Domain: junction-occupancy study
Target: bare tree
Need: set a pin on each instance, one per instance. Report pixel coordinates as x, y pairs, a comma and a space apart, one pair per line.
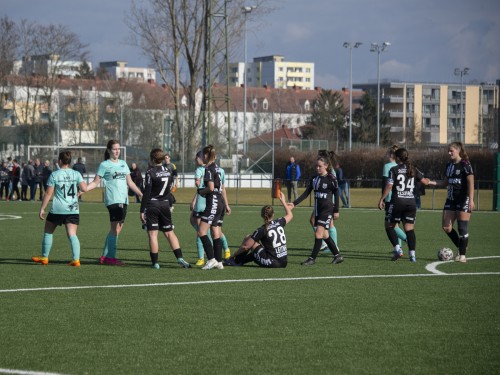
172, 34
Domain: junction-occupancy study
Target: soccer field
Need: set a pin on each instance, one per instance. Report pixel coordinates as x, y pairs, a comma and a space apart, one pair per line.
367, 315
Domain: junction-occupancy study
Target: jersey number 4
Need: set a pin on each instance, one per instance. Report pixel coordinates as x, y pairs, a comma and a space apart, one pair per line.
405, 185
71, 190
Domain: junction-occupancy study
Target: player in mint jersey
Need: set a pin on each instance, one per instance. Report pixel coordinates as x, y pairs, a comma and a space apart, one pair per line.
402, 207
63, 184
116, 176
198, 206
385, 176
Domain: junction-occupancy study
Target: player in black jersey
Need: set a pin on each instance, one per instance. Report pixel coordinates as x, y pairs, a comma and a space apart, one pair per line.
326, 204
267, 245
155, 208
402, 206
212, 217
460, 199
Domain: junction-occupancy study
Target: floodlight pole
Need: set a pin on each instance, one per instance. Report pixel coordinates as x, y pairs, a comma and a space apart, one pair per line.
246, 11
350, 46
375, 47
462, 73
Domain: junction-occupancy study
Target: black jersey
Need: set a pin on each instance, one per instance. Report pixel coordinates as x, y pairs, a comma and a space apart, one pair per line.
456, 174
158, 183
212, 174
325, 189
273, 239
403, 186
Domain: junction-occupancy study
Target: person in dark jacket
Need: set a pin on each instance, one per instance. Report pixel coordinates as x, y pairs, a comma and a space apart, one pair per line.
292, 177
136, 176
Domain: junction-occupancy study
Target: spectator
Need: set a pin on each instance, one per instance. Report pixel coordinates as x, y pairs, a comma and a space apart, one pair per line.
47, 171
80, 167
136, 176
14, 180
24, 182
4, 180
38, 179
292, 176
343, 186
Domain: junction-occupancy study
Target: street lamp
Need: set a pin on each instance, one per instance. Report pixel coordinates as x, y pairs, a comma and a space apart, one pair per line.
375, 47
461, 72
246, 10
350, 46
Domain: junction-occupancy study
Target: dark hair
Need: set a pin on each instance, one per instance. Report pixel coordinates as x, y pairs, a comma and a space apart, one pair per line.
110, 144
326, 160
402, 155
267, 213
330, 156
65, 157
199, 155
461, 150
156, 155
209, 151
392, 151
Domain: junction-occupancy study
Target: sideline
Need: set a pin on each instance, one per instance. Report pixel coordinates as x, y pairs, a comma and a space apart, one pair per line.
207, 282
432, 267
25, 372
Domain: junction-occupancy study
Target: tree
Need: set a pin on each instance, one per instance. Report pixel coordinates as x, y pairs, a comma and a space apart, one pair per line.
329, 117
172, 35
365, 122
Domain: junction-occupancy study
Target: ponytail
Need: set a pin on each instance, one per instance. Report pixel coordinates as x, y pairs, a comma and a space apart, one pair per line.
209, 153
401, 154
267, 213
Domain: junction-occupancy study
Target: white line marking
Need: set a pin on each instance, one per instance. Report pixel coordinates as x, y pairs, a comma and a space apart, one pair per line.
24, 372
242, 281
432, 267
9, 217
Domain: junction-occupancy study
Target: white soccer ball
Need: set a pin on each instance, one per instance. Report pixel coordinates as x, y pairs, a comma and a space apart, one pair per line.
445, 254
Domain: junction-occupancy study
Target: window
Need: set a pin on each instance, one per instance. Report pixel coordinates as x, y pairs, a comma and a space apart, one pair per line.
265, 105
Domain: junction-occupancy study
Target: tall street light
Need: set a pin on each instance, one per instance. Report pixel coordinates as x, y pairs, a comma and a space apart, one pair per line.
350, 46
461, 72
246, 10
375, 47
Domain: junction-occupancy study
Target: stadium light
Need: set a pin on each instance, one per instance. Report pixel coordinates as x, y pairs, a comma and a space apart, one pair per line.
350, 46
375, 47
246, 10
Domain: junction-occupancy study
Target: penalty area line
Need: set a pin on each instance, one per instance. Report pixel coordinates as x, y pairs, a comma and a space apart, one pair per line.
207, 282
25, 372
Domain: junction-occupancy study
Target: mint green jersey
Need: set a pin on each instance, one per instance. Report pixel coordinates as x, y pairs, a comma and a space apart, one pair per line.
65, 182
114, 176
385, 173
201, 202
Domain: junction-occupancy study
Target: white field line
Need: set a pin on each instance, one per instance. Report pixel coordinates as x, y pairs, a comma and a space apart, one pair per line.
207, 282
25, 372
432, 267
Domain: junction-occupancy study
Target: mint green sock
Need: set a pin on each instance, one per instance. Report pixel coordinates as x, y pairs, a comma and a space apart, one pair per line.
333, 234
75, 247
105, 250
401, 235
111, 245
199, 247
46, 244
225, 246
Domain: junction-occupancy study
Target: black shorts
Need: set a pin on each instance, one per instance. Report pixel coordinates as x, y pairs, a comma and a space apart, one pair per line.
60, 219
406, 213
462, 205
264, 259
158, 216
214, 211
323, 219
197, 214
117, 212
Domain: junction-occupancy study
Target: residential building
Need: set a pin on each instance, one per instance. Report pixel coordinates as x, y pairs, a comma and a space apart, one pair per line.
120, 70
431, 113
273, 71
49, 65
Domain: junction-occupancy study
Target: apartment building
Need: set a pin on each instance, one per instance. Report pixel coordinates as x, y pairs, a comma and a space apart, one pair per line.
273, 71
438, 113
120, 70
49, 65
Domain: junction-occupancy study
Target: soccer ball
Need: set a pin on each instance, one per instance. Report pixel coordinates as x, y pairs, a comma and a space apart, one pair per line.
445, 254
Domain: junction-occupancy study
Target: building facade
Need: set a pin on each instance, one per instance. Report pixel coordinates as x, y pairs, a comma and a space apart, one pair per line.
438, 113
273, 71
120, 70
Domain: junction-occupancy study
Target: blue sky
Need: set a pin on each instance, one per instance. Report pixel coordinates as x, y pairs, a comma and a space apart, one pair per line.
429, 38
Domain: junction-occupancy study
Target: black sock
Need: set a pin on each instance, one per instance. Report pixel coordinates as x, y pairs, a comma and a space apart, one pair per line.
393, 237
316, 248
207, 246
462, 245
154, 257
178, 253
332, 246
218, 249
454, 237
411, 240
245, 257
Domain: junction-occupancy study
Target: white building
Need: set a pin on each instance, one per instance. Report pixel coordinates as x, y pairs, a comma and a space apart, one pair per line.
49, 65
119, 69
273, 71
